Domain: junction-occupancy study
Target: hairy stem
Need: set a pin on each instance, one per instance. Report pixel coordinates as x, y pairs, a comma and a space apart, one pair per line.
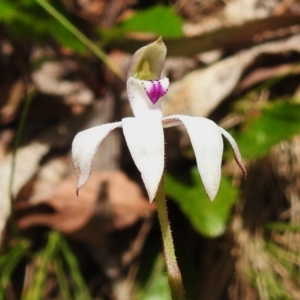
173, 272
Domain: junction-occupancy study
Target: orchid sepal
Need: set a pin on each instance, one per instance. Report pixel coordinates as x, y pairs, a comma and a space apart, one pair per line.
206, 139
84, 147
208, 147
145, 140
147, 62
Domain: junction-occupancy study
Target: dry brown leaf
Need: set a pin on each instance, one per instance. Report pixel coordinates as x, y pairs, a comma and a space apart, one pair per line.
28, 158
127, 200
213, 14
262, 74
70, 214
48, 178
6, 137
108, 201
14, 100
49, 79
231, 38
105, 13
26, 165
237, 11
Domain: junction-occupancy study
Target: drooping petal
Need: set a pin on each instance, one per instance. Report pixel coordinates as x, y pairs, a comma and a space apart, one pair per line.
84, 147
207, 142
148, 62
144, 95
145, 140
235, 150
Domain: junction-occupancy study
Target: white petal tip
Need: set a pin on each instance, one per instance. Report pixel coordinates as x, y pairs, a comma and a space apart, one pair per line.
151, 190
78, 187
235, 150
242, 167
238, 160
211, 198
145, 140
80, 184
212, 194
81, 173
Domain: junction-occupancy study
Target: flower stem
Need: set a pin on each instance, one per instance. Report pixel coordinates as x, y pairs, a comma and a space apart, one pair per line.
173, 272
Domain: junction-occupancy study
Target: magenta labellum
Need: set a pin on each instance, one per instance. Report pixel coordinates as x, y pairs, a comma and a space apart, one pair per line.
154, 90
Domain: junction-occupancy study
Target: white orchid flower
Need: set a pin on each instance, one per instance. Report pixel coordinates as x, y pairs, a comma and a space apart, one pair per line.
144, 132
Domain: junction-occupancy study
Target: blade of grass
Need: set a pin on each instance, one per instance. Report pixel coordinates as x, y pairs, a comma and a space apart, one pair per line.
18, 139
42, 262
9, 261
77, 33
21, 125
61, 279
80, 289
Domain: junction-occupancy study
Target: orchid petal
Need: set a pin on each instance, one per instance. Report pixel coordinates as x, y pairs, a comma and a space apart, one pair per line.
139, 92
84, 147
207, 142
145, 140
148, 62
235, 150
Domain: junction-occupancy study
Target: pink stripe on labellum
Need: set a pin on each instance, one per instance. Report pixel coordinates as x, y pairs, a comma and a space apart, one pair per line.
154, 90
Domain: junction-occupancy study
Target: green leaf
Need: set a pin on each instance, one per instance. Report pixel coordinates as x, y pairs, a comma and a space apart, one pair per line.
6, 10
282, 227
157, 287
277, 122
208, 218
63, 36
25, 19
42, 262
81, 290
160, 20
9, 261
